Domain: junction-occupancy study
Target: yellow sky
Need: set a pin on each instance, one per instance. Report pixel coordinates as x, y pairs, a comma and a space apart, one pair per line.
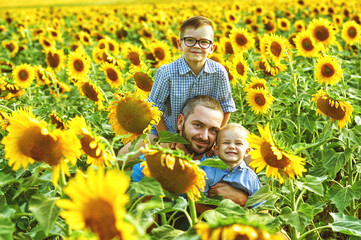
32, 3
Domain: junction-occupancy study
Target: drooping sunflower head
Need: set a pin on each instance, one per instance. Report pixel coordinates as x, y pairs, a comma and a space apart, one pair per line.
260, 100
269, 67
41, 77
78, 64
133, 54
96, 203
328, 70
12, 46
57, 121
54, 58
322, 31
256, 83
131, 115
337, 110
239, 69
174, 171
241, 39
91, 91
23, 75
142, 78
266, 154
351, 32
113, 74
4, 120
30, 141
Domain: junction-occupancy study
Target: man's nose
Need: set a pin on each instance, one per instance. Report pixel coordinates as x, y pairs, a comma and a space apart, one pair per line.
204, 134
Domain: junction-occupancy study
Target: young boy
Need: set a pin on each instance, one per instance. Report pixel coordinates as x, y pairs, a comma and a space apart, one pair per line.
232, 147
191, 75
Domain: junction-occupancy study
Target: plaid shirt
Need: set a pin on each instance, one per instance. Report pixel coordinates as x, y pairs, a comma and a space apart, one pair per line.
175, 83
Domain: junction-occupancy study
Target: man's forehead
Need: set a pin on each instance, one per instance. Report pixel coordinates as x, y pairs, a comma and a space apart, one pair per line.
207, 116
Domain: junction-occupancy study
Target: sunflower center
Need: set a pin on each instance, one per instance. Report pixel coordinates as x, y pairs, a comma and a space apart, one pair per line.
102, 46
143, 81
352, 32
174, 42
271, 159
327, 70
112, 74
23, 75
335, 113
241, 40
159, 53
269, 26
40, 75
321, 33
78, 65
53, 59
46, 43
111, 46
276, 49
86, 39
54, 34
134, 58
307, 44
10, 47
228, 48
283, 24
85, 141
133, 116
260, 99
240, 69
90, 92
99, 217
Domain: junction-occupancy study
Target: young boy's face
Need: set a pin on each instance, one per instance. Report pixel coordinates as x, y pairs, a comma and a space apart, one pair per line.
196, 54
232, 146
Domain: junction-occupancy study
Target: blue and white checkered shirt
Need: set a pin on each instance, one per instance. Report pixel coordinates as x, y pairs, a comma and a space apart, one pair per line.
175, 83
241, 177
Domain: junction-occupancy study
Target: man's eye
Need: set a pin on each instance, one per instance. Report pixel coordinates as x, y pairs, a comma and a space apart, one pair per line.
197, 125
213, 131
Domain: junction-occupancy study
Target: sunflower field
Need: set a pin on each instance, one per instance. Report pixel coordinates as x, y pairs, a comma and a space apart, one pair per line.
74, 83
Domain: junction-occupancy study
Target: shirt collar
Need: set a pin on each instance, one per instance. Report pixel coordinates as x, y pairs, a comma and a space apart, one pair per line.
184, 68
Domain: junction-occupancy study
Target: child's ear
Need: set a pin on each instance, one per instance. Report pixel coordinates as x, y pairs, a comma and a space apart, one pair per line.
179, 43
212, 48
247, 151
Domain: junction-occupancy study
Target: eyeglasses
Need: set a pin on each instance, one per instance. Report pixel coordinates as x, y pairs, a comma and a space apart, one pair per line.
203, 43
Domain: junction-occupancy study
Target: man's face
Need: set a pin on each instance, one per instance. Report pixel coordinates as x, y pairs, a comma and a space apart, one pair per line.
200, 129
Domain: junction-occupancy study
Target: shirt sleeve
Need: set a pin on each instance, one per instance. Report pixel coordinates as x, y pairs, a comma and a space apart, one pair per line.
225, 92
161, 89
137, 174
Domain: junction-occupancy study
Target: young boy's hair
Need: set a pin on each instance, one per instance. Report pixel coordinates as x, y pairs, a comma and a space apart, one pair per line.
195, 22
204, 100
244, 130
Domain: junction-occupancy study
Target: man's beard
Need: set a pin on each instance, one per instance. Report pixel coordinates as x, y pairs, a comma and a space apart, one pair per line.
189, 146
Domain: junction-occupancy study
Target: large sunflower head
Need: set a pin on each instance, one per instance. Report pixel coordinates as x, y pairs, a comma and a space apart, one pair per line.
78, 64
322, 31
259, 99
241, 39
335, 109
351, 32
30, 141
306, 45
91, 145
174, 171
328, 70
131, 115
239, 69
113, 74
266, 154
97, 203
23, 75
91, 91
142, 78
275, 47
55, 58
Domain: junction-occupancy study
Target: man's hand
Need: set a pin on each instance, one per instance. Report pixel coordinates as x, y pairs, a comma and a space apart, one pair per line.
227, 191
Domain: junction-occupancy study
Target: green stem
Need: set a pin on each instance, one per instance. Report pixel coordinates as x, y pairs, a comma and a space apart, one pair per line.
193, 211
294, 232
350, 178
300, 197
313, 230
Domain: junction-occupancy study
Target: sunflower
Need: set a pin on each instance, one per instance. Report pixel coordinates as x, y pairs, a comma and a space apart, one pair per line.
241, 39
40, 74
335, 109
85, 38
259, 99
102, 56
131, 115
13, 90
217, 57
23, 75
231, 17
337, 19
91, 145
161, 52
328, 70
226, 46
97, 203
270, 26
4, 120
91, 91
30, 141
57, 121
299, 25
133, 53
142, 78
306, 45
113, 75
12, 46
267, 154
55, 35
322, 31
60, 88
268, 67
174, 171
103, 44
55, 58
275, 47
283, 24
238, 69
113, 46
351, 32
37, 32
256, 83
46, 42
78, 64
233, 231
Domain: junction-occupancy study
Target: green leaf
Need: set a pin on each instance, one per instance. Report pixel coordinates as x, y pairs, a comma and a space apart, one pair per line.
180, 205
5, 210
169, 137
333, 161
228, 208
7, 228
341, 196
309, 125
44, 210
356, 187
147, 186
6, 179
298, 219
166, 232
346, 224
214, 162
312, 184
263, 194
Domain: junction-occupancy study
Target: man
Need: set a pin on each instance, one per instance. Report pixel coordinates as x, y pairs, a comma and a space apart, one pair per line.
199, 123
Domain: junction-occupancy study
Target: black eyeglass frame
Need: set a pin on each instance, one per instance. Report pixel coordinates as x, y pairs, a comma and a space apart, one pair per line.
197, 41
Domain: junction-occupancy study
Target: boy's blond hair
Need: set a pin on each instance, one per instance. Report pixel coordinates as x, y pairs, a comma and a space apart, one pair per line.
244, 130
195, 22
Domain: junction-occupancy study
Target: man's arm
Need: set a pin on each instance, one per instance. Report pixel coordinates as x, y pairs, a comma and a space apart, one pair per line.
238, 196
